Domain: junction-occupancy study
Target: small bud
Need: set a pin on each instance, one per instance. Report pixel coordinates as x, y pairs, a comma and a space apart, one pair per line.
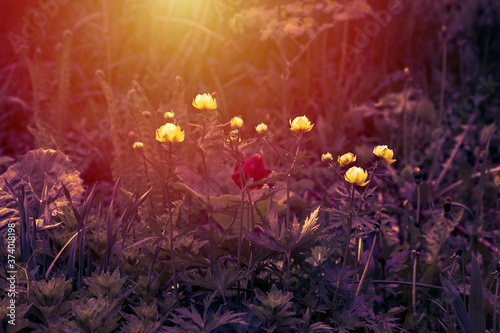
481, 156
236, 123
417, 175
169, 115
146, 114
138, 145
326, 158
418, 249
457, 255
261, 128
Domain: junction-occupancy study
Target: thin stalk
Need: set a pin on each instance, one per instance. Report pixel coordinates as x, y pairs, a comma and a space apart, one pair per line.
250, 206
452, 269
366, 266
417, 218
171, 221
495, 307
405, 122
242, 205
210, 224
348, 242
414, 286
369, 180
288, 184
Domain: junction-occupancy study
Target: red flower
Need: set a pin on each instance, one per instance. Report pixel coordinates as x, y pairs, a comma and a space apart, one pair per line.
253, 167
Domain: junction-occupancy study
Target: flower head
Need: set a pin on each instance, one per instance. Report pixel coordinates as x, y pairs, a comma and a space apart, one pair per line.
138, 145
300, 125
346, 159
253, 167
205, 102
356, 176
385, 153
236, 123
326, 157
261, 128
169, 133
169, 115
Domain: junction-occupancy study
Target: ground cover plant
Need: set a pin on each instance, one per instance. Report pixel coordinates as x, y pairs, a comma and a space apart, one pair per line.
250, 166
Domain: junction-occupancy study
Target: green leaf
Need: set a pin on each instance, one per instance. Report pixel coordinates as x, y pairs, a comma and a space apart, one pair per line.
458, 305
43, 173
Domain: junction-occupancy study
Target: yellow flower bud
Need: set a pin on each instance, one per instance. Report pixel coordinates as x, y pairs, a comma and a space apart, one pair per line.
385, 153
234, 136
300, 125
236, 123
169, 115
346, 159
205, 102
169, 133
326, 157
138, 145
356, 176
261, 128
146, 114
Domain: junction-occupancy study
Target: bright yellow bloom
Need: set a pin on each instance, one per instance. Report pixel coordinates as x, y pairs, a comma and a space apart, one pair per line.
326, 157
385, 153
169, 115
300, 125
236, 123
261, 128
169, 133
205, 102
138, 145
346, 159
356, 176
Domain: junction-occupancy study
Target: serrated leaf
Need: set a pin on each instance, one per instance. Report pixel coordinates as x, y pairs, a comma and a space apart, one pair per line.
43, 173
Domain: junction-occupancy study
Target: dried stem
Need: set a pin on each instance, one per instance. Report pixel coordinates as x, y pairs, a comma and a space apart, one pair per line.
366, 266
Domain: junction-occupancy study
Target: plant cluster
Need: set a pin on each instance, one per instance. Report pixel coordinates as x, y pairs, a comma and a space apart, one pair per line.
302, 196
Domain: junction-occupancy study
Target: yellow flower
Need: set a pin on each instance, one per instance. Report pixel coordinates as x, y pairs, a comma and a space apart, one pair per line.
138, 145
385, 153
261, 128
346, 159
169, 115
169, 133
236, 123
356, 176
205, 102
326, 157
300, 125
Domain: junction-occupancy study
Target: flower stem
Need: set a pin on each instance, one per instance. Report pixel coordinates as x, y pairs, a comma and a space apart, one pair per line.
171, 220
366, 266
413, 286
495, 307
287, 222
210, 224
348, 242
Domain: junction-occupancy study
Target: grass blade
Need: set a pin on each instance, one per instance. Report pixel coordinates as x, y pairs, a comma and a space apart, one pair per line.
458, 305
